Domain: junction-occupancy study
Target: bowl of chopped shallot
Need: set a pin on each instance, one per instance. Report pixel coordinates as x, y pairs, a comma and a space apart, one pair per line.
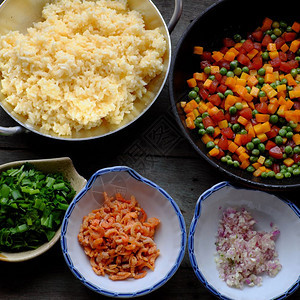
123, 236
243, 243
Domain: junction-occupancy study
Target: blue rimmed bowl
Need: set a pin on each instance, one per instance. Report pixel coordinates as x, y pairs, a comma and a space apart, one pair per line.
170, 236
266, 209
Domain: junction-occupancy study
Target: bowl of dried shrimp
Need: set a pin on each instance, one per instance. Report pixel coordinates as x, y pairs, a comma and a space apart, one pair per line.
123, 236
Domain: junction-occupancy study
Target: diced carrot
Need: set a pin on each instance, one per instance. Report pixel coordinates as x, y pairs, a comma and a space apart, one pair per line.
223, 124
214, 152
217, 55
245, 164
288, 162
229, 56
192, 82
290, 79
273, 54
271, 47
206, 138
230, 82
269, 69
244, 156
190, 106
244, 76
190, 123
294, 94
284, 48
241, 82
294, 45
261, 159
269, 78
214, 69
191, 115
232, 147
261, 118
252, 53
263, 137
296, 138
198, 50
257, 172
242, 120
281, 87
207, 83
200, 76
296, 26
252, 81
240, 150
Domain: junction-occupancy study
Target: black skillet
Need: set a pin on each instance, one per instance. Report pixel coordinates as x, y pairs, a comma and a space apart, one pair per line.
224, 19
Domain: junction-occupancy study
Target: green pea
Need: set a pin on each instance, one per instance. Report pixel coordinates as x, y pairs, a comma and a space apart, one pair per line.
273, 36
230, 74
201, 131
261, 80
271, 174
283, 167
210, 130
297, 149
294, 72
232, 110
283, 81
261, 94
207, 70
253, 159
273, 85
256, 141
282, 132
290, 169
197, 99
254, 112
293, 124
236, 164
265, 55
282, 24
289, 135
229, 162
198, 121
239, 106
273, 119
261, 147
192, 94
236, 127
279, 175
278, 140
296, 172
277, 32
288, 149
205, 114
294, 166
248, 88
237, 71
250, 146
255, 152
237, 38
212, 77
245, 70
268, 163
275, 24
287, 174
221, 95
210, 145
261, 72
234, 64
224, 159
243, 131
289, 88
228, 92
223, 71
250, 169
289, 29
264, 174
196, 89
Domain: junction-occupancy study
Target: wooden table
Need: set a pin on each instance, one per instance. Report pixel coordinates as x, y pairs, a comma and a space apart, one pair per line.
154, 147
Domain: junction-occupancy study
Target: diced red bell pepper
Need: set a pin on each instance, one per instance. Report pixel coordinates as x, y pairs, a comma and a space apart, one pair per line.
214, 99
279, 42
243, 59
207, 121
223, 142
282, 56
228, 42
289, 36
296, 158
222, 88
224, 64
266, 40
213, 87
204, 64
276, 152
227, 132
257, 62
219, 116
203, 93
246, 113
273, 132
276, 168
262, 107
257, 46
206, 56
270, 144
258, 35
275, 62
248, 45
288, 66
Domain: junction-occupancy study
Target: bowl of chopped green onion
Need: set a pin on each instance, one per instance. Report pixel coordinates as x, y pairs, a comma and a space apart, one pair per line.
34, 196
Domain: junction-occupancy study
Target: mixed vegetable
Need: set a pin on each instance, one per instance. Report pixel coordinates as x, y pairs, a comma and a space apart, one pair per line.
245, 101
32, 206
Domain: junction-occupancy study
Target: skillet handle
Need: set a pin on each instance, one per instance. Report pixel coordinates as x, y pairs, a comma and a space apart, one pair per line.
176, 15
8, 131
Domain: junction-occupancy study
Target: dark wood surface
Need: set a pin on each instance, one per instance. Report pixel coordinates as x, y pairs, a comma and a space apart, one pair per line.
155, 148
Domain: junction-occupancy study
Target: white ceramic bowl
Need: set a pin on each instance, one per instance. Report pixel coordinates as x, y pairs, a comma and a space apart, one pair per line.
170, 236
54, 165
265, 208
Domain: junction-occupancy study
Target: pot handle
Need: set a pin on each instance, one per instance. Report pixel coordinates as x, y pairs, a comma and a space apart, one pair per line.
8, 131
176, 15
